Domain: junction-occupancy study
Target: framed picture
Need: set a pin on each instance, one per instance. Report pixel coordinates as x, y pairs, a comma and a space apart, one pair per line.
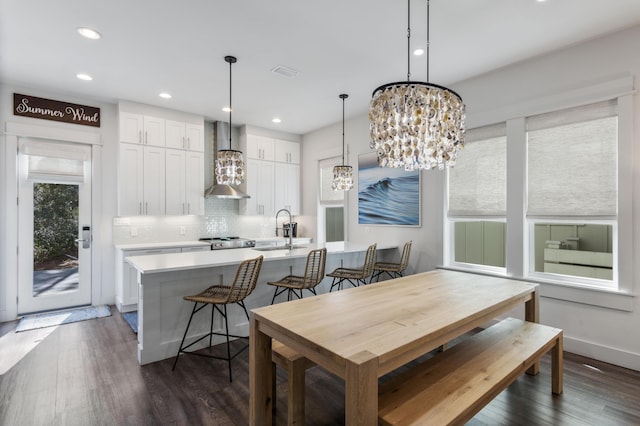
387, 196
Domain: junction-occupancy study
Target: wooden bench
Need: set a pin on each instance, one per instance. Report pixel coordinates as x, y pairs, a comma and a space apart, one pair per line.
295, 365
453, 386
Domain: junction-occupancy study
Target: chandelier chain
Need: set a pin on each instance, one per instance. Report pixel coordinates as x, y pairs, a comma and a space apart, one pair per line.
408, 40
428, 40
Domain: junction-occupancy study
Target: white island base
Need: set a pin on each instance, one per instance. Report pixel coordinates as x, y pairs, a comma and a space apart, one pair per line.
164, 279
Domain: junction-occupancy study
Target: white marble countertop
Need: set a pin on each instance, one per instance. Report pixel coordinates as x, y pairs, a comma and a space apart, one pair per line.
170, 244
158, 263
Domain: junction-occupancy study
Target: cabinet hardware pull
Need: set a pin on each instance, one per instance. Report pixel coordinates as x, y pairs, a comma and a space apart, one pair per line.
139, 136
146, 138
188, 208
146, 208
188, 143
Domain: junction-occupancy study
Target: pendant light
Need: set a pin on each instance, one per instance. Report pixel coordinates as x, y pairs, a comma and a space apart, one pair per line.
342, 175
229, 164
413, 124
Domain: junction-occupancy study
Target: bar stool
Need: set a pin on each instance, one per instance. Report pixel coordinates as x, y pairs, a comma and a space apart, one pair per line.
313, 275
394, 270
355, 276
242, 286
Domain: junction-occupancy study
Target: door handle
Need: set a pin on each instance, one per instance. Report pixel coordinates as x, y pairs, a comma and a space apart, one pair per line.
86, 237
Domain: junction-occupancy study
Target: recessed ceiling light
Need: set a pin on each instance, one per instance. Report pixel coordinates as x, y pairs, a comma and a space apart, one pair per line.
226, 109
276, 120
89, 33
285, 71
418, 52
165, 95
85, 77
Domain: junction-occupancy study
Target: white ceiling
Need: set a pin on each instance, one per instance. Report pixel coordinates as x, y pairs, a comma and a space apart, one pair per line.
339, 46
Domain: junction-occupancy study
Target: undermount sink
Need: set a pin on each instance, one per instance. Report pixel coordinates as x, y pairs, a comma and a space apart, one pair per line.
274, 248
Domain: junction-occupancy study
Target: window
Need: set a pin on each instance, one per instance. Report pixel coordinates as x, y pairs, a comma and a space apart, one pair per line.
477, 199
572, 198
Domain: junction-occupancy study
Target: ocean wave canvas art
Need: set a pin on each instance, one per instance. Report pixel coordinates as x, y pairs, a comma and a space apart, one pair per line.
387, 196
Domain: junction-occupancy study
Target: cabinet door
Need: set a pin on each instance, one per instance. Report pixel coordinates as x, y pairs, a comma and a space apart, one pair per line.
175, 201
287, 151
175, 135
259, 185
131, 127
260, 148
194, 183
154, 181
287, 188
129, 290
130, 179
153, 131
195, 137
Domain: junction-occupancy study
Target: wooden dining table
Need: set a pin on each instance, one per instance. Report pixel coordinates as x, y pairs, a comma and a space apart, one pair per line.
363, 333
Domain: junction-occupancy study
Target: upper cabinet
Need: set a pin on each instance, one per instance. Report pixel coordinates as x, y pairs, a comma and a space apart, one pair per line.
287, 151
260, 148
182, 135
161, 165
271, 185
142, 129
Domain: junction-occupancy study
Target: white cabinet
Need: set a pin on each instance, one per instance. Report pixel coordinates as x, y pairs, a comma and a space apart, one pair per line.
127, 277
260, 186
273, 176
287, 151
142, 129
184, 182
260, 148
287, 188
141, 180
182, 135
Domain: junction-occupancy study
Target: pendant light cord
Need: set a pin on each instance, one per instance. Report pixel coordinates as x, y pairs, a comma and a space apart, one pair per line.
428, 41
230, 106
408, 40
343, 97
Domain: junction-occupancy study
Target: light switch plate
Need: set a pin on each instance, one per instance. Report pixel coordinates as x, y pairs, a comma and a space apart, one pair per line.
134, 231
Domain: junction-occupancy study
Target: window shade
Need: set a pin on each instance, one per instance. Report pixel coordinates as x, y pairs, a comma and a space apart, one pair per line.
477, 183
572, 162
48, 161
326, 178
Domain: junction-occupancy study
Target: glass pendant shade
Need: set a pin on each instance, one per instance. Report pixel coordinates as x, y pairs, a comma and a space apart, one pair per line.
342, 178
416, 125
230, 168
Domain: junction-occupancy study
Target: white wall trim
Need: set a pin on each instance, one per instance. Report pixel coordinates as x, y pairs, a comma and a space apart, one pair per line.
604, 353
56, 133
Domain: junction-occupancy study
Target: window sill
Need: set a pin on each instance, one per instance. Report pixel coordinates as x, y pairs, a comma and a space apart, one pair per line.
601, 297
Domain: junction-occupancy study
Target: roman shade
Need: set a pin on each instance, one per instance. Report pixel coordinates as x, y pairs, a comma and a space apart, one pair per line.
55, 162
572, 161
477, 183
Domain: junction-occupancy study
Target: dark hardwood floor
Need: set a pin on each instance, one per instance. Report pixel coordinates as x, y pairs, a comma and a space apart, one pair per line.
86, 373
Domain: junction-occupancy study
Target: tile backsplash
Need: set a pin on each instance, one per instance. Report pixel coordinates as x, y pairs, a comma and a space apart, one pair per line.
221, 219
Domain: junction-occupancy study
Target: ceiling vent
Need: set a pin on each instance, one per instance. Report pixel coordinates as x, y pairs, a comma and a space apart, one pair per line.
285, 71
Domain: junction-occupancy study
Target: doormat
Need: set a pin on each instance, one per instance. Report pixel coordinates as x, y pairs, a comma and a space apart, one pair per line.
132, 319
51, 319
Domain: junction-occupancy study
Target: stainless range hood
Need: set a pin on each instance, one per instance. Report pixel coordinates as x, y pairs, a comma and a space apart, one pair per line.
220, 134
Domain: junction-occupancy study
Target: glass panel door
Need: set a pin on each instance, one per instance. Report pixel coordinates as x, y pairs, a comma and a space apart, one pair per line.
54, 252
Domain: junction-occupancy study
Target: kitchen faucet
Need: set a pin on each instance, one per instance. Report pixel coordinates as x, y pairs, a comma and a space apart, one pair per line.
290, 245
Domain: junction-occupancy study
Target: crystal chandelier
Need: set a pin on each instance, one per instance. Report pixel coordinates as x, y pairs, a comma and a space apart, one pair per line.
416, 125
342, 175
229, 163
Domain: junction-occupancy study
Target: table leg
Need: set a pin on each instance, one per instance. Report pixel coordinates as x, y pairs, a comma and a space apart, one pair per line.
556, 367
532, 314
361, 390
260, 376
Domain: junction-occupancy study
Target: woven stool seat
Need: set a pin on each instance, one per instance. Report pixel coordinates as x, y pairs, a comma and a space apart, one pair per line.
313, 275
393, 269
219, 296
354, 276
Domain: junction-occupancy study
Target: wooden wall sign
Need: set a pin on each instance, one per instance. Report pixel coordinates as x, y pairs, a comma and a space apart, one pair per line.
48, 109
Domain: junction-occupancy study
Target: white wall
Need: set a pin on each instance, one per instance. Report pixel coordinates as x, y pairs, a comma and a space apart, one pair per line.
104, 194
607, 334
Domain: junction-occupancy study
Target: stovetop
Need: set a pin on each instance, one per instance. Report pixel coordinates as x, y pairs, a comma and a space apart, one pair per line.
219, 243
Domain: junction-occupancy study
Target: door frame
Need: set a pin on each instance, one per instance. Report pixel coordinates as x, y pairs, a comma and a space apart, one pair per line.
27, 302
13, 131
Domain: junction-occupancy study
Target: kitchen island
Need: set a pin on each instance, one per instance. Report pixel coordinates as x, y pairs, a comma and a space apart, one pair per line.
164, 279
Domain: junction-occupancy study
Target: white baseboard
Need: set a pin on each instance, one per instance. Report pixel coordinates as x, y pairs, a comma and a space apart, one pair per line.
602, 353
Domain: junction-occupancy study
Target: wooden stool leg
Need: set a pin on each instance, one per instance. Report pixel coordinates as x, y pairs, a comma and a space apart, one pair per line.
296, 384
